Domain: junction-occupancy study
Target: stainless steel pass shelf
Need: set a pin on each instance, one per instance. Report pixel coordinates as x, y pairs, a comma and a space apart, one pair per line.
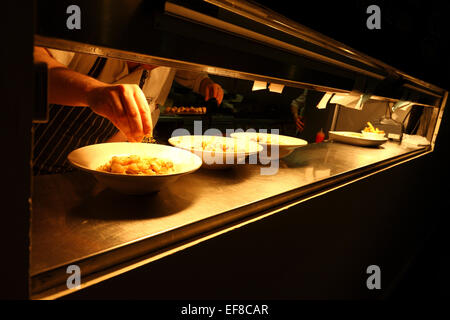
77, 221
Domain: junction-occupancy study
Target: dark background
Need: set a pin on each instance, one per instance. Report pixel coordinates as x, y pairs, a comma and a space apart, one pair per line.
414, 34
414, 38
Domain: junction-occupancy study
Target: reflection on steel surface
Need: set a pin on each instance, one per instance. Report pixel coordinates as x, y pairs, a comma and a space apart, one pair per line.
87, 219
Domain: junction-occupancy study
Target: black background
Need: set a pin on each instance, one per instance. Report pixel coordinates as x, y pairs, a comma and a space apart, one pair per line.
414, 35
414, 38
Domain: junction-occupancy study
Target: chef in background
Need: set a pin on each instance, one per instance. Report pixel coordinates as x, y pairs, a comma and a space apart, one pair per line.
298, 106
94, 100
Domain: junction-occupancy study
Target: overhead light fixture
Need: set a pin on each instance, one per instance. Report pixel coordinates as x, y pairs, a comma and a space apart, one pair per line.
275, 87
259, 85
324, 101
350, 100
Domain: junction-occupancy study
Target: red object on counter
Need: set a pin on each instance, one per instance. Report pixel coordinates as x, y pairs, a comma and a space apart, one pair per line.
320, 136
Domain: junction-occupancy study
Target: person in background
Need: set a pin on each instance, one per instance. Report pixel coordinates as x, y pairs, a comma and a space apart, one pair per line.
297, 109
94, 100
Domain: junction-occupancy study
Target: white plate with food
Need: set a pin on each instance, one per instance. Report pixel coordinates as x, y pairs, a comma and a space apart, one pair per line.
370, 132
272, 143
134, 168
217, 152
356, 138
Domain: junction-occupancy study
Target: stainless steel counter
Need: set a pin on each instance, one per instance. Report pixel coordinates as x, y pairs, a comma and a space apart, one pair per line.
76, 220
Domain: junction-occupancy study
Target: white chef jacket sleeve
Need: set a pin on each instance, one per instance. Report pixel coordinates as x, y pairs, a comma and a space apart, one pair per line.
190, 79
64, 57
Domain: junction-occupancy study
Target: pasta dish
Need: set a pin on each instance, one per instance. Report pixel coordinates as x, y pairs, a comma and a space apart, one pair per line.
134, 164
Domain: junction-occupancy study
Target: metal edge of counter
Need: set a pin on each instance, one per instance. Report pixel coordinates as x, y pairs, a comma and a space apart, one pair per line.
437, 119
51, 284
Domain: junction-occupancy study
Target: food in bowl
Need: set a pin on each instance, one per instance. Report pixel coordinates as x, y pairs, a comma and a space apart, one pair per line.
370, 132
217, 152
90, 158
270, 139
219, 145
186, 110
371, 128
134, 164
267, 139
263, 138
275, 146
213, 144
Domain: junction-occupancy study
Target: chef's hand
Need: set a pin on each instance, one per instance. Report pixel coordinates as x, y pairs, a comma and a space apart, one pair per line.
209, 89
125, 106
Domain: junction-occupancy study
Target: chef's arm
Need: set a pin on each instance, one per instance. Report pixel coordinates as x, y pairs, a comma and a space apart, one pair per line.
66, 87
200, 82
124, 105
296, 104
294, 110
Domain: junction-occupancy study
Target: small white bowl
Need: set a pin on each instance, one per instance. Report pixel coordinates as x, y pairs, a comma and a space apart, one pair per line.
217, 159
91, 157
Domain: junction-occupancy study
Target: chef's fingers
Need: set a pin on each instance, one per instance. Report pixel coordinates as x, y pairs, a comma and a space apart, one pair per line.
219, 97
207, 94
213, 90
132, 112
144, 110
119, 116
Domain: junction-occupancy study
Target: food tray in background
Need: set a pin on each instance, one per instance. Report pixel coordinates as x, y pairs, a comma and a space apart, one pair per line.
185, 110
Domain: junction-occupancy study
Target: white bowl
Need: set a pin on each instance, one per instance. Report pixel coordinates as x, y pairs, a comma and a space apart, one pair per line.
91, 157
271, 142
217, 159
